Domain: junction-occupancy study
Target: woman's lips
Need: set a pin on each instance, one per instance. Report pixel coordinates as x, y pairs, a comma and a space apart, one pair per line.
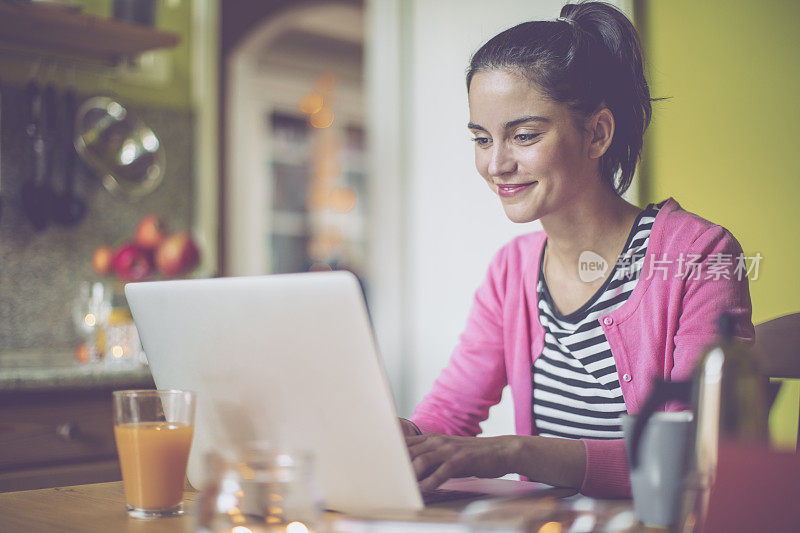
507, 191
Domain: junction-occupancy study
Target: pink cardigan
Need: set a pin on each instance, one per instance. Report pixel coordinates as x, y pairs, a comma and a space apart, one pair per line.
657, 333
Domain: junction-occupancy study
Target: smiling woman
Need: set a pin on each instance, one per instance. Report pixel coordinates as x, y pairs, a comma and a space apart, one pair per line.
558, 111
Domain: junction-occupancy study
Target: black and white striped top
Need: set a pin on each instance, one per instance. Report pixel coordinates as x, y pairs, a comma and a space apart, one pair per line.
576, 389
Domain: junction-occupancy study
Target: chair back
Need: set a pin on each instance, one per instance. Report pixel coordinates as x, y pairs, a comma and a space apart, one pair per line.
778, 340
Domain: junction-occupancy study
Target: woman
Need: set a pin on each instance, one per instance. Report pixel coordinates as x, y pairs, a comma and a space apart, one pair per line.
580, 318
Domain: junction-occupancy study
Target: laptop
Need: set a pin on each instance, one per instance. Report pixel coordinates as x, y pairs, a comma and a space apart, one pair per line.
290, 360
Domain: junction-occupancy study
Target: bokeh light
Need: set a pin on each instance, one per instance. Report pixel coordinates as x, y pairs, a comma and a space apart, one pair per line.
343, 200
322, 118
550, 527
296, 527
311, 103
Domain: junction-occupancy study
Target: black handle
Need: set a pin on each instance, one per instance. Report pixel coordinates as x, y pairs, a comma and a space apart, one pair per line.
663, 392
68, 134
51, 133
33, 105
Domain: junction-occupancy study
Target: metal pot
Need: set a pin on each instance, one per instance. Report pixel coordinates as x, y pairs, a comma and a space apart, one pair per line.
119, 147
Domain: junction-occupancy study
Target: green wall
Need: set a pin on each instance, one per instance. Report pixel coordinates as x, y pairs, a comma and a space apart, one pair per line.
726, 144
173, 15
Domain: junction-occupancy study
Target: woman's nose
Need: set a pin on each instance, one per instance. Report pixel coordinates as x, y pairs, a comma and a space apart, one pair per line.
501, 161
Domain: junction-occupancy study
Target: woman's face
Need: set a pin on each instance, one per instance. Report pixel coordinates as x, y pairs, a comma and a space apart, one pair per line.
528, 141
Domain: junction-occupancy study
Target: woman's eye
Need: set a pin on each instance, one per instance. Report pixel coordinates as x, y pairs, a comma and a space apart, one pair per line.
481, 141
525, 137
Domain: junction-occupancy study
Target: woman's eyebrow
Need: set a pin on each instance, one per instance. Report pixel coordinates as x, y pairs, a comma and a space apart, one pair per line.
530, 118
511, 123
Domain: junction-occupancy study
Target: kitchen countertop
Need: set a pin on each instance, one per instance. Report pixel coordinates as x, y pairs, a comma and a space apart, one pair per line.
37, 371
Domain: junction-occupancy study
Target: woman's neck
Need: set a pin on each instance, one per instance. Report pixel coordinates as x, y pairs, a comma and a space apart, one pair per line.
599, 223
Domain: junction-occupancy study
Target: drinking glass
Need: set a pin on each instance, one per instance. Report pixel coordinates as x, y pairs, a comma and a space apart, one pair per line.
264, 490
153, 430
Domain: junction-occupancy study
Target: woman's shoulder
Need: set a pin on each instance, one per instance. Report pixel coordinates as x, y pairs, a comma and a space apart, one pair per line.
677, 229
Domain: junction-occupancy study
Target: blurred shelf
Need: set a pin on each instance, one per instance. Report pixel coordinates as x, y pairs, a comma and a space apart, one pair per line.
61, 31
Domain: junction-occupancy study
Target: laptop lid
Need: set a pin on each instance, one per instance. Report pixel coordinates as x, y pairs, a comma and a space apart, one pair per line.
289, 359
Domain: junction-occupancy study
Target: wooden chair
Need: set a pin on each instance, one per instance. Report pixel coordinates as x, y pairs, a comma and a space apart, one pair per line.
778, 341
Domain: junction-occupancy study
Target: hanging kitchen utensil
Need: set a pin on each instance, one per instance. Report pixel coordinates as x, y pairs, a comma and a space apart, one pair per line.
69, 209
119, 147
1, 170
35, 194
51, 135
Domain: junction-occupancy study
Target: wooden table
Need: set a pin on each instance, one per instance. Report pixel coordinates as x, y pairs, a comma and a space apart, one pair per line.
86, 508
101, 508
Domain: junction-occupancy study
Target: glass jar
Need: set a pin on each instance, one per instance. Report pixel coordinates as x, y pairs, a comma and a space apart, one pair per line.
266, 490
90, 311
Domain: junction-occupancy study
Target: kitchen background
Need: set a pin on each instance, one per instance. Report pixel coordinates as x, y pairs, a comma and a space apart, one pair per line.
420, 225
40, 271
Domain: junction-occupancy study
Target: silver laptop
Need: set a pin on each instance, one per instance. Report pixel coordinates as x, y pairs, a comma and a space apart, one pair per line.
291, 360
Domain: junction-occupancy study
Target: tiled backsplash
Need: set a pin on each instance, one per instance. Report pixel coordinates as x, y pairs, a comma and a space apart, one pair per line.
40, 271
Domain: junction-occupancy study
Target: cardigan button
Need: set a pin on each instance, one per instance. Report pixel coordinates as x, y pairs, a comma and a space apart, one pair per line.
626, 377
608, 321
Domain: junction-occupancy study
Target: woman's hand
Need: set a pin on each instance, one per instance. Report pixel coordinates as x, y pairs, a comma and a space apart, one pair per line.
437, 458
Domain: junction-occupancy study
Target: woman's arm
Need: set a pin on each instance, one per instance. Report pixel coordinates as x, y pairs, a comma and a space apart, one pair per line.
555, 461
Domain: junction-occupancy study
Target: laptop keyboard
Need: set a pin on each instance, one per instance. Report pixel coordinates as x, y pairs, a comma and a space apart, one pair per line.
447, 495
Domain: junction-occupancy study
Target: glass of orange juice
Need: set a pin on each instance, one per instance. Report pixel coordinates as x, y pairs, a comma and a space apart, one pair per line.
153, 430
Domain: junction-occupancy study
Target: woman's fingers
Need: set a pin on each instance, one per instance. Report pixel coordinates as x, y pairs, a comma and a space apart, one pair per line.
436, 458
409, 429
426, 462
426, 443
415, 439
445, 471
421, 447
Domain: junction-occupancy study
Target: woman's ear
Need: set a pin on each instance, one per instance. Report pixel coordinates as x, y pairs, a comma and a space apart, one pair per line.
601, 132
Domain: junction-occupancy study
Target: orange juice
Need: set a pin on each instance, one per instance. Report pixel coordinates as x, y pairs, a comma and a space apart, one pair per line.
153, 458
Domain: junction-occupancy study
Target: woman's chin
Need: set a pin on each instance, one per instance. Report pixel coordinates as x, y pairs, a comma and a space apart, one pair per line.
520, 216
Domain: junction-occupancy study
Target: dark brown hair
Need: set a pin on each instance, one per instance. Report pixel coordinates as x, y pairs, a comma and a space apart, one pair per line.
589, 58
